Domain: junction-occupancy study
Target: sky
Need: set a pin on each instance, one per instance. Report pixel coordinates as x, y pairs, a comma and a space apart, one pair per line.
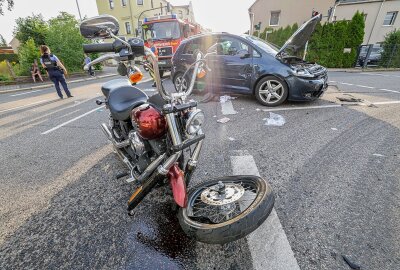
218, 15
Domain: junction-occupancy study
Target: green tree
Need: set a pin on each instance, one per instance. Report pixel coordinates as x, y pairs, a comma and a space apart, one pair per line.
27, 53
65, 40
3, 42
391, 50
31, 27
10, 5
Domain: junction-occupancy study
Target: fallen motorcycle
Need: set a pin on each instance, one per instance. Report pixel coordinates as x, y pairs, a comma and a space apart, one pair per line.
154, 135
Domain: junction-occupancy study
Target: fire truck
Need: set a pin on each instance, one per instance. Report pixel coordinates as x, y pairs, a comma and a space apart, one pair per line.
167, 33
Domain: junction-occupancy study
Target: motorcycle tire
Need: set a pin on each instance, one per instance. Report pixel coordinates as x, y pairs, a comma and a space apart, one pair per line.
249, 219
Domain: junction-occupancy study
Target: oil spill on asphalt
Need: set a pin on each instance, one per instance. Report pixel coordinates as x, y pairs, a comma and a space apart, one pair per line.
155, 239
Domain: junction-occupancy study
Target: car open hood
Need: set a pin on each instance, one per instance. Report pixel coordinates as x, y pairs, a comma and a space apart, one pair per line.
301, 36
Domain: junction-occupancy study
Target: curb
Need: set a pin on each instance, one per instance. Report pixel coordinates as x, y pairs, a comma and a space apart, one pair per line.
362, 70
50, 85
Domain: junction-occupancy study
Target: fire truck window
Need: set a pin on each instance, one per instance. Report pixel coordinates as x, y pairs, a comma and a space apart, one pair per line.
162, 31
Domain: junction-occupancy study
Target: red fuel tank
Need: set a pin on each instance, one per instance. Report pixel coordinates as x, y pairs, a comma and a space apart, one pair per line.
150, 121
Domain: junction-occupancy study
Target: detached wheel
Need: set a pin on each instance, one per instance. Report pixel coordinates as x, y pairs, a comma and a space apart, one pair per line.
271, 91
179, 80
226, 209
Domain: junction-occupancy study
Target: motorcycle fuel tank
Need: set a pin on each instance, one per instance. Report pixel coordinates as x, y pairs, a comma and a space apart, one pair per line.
150, 122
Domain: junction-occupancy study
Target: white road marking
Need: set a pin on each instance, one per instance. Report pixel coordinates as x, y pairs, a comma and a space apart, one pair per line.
302, 108
269, 246
227, 108
62, 116
388, 90
72, 120
383, 75
27, 105
364, 86
387, 102
25, 93
346, 83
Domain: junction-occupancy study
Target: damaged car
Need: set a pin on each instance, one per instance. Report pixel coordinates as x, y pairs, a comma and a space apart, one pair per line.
245, 64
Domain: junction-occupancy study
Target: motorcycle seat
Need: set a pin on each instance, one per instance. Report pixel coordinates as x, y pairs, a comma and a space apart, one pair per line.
113, 84
123, 99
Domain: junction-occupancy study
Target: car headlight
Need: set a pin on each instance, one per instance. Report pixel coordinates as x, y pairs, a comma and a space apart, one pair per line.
303, 73
194, 122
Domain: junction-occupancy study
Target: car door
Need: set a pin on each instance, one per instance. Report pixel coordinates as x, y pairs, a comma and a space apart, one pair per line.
232, 63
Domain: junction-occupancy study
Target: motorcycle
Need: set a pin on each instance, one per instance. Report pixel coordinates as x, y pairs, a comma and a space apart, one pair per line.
153, 136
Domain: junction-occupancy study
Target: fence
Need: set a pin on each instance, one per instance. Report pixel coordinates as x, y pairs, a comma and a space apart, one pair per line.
376, 55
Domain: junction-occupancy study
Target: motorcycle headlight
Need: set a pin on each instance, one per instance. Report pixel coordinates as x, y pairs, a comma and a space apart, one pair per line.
194, 122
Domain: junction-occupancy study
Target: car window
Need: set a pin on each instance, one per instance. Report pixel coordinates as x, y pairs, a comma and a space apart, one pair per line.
201, 44
228, 46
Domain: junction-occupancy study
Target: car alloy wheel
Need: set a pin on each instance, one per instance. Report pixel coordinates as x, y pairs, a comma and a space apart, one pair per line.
271, 91
179, 79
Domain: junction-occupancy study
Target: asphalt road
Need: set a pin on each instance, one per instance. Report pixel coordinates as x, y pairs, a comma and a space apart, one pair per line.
334, 168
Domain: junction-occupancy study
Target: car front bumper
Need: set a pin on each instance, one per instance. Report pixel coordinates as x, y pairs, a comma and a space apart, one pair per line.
301, 89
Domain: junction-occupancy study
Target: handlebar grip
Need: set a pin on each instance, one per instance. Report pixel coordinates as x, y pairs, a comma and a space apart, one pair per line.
98, 47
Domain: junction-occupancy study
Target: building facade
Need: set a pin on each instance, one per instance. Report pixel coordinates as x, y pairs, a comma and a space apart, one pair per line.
130, 13
281, 13
381, 16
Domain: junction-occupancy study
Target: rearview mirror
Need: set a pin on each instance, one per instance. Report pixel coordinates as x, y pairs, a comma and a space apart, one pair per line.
99, 27
243, 54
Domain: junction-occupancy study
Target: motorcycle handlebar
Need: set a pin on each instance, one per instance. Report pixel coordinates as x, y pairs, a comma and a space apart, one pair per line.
98, 47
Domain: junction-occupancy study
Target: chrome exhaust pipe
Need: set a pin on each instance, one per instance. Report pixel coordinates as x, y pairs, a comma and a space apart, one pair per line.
106, 131
164, 168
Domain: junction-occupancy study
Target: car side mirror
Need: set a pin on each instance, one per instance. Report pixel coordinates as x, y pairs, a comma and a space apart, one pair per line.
243, 54
99, 27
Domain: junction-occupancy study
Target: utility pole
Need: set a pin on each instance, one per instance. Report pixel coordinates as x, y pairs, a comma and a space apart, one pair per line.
77, 4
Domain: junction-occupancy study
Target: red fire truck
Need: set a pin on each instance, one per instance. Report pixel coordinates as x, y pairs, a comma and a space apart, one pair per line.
167, 32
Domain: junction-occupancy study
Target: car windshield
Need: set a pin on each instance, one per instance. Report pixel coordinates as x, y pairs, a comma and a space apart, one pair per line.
267, 47
161, 31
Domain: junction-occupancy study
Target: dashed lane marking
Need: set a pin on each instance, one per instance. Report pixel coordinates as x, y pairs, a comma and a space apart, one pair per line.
24, 106
72, 120
269, 246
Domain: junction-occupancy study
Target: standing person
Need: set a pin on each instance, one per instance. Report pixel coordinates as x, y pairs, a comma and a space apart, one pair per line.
55, 70
35, 71
154, 50
87, 61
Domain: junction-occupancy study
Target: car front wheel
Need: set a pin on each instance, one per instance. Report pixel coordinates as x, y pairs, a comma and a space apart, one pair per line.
179, 81
271, 91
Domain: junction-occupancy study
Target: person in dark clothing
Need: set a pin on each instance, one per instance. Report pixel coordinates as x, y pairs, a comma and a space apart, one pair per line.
55, 70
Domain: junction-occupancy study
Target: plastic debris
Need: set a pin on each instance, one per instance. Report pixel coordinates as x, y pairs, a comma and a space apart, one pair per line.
334, 129
258, 109
242, 108
378, 155
231, 139
350, 263
223, 120
224, 99
350, 99
275, 120
214, 116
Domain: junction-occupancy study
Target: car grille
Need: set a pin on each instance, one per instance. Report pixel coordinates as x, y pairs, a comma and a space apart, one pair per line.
165, 51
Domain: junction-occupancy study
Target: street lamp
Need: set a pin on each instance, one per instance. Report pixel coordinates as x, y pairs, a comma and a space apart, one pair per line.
77, 4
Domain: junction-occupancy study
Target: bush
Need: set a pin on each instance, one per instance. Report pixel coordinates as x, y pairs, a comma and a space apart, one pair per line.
391, 50
65, 41
4, 78
10, 57
27, 53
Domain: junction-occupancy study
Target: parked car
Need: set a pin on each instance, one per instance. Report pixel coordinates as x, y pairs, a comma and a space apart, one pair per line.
374, 57
248, 65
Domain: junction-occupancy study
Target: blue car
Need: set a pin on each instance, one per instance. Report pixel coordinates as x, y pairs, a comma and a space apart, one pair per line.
248, 65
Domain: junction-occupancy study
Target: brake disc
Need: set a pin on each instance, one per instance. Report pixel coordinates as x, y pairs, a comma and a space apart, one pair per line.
230, 193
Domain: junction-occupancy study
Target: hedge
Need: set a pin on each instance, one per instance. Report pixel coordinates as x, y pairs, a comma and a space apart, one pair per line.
328, 42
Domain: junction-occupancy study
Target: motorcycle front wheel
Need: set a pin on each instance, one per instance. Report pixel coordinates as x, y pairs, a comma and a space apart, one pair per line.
226, 209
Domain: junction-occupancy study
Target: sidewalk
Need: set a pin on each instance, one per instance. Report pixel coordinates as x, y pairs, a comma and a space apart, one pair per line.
357, 70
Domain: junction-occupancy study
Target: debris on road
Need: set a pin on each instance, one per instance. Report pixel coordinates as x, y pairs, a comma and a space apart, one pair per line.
231, 139
275, 120
214, 116
258, 109
378, 155
334, 129
224, 99
223, 120
350, 263
351, 99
